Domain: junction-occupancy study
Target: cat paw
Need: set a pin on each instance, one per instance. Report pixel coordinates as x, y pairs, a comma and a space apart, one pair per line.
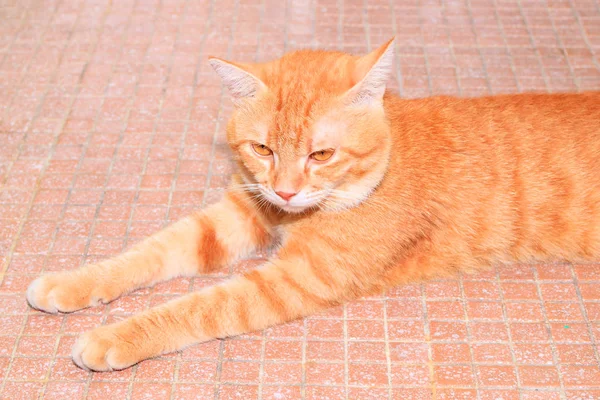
109, 348
102, 350
61, 292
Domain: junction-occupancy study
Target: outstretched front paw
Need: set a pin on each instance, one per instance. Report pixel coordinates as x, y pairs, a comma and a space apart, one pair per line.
64, 292
109, 348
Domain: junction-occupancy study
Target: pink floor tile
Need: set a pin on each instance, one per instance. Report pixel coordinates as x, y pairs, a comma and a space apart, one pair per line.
111, 126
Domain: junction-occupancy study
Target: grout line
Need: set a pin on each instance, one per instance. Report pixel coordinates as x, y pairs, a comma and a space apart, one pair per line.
469, 339
388, 357
535, 48
507, 47
338, 362
427, 334
532, 389
261, 372
346, 358
555, 359
424, 49
285, 26
261, 19
367, 27
304, 360
339, 25
584, 315
561, 46
508, 332
313, 24
478, 45
451, 47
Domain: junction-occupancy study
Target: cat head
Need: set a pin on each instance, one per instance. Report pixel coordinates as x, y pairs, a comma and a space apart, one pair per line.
309, 130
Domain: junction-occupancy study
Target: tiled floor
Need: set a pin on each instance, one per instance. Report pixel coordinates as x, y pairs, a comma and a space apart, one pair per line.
111, 125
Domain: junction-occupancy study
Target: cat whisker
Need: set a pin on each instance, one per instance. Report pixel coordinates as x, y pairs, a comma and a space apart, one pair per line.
331, 204
247, 187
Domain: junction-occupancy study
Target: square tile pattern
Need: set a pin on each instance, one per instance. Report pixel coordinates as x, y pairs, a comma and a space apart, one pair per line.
112, 125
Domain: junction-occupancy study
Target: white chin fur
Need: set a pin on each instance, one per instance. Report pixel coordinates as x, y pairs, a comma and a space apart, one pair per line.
293, 209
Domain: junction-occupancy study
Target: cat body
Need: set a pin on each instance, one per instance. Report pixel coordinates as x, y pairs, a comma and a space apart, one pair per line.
360, 191
506, 178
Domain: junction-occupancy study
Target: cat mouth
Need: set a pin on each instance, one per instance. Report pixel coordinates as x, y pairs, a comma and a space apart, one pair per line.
303, 202
292, 206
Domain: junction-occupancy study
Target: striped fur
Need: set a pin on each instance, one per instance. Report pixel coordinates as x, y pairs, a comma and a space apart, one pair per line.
415, 189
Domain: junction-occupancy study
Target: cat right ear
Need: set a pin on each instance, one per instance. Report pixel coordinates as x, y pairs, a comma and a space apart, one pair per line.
370, 75
239, 78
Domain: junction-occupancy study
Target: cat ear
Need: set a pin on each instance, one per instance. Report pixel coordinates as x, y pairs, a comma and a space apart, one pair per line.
371, 73
239, 78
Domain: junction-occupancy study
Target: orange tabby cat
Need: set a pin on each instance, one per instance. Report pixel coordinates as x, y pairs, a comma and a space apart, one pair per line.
363, 190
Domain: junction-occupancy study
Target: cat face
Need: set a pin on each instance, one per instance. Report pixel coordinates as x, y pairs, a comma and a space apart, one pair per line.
309, 130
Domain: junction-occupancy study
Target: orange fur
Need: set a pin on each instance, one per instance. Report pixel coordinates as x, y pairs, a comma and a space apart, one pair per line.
414, 189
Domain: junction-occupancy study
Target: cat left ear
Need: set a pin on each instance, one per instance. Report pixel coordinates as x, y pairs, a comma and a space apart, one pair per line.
240, 79
371, 73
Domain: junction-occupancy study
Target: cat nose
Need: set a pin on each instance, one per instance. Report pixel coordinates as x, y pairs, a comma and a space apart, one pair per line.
286, 196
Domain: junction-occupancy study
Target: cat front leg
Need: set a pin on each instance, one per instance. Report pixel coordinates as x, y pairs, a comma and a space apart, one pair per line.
307, 277
198, 243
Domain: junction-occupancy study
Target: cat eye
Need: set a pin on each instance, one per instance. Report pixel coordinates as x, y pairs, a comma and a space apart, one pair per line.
322, 155
261, 149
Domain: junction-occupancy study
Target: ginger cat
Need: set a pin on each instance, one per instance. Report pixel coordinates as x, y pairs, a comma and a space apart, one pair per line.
361, 190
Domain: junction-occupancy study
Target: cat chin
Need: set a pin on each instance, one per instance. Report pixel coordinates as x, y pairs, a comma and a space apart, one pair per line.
294, 209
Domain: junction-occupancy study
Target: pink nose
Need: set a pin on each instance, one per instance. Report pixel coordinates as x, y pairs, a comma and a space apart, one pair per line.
286, 196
